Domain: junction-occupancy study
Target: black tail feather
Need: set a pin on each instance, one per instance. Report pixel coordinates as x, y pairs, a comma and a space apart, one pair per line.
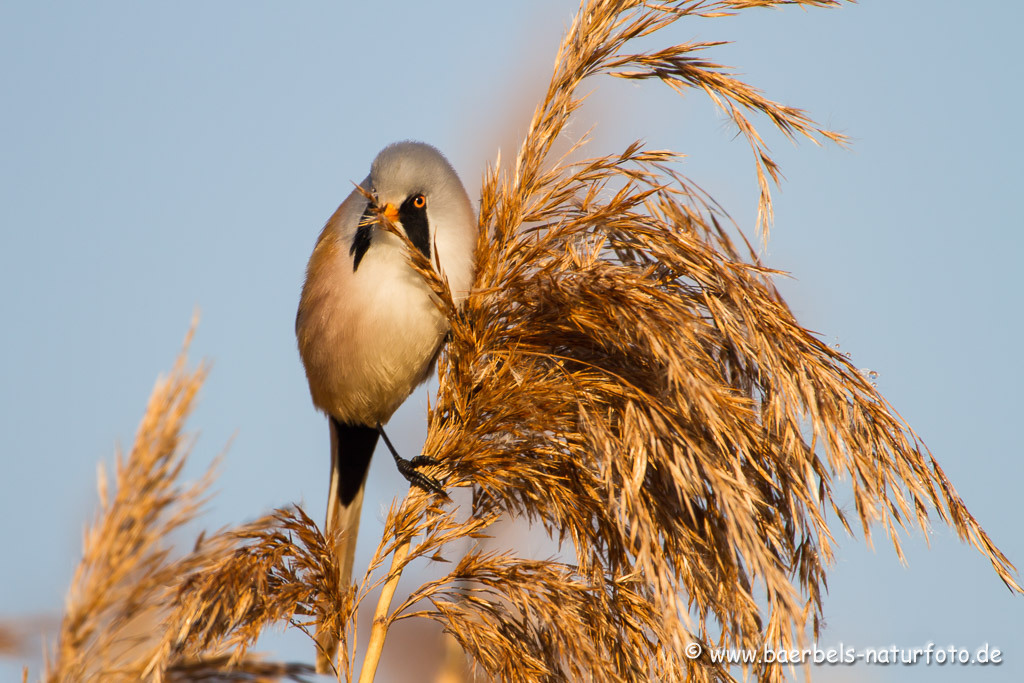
355, 444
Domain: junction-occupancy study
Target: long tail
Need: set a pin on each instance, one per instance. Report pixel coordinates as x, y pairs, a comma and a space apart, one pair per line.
351, 449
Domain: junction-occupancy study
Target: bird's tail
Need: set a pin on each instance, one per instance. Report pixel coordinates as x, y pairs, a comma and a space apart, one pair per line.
351, 449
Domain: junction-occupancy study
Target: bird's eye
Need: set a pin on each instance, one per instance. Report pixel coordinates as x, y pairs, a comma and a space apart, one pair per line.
419, 201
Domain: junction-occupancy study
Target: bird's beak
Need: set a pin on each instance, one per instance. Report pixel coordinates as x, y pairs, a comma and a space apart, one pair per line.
390, 212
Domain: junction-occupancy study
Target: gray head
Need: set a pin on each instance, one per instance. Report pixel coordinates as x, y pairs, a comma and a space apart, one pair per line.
407, 168
415, 186
403, 170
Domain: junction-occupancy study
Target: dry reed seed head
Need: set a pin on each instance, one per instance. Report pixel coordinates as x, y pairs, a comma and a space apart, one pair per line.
124, 609
122, 582
622, 376
280, 570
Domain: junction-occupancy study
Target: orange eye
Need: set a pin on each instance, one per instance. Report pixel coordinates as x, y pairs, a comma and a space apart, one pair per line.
419, 201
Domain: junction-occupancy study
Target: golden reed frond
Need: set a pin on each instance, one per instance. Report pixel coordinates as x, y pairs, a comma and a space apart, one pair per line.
280, 570
628, 377
126, 567
127, 584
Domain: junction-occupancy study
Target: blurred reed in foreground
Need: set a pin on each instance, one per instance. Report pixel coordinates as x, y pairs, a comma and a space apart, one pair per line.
625, 376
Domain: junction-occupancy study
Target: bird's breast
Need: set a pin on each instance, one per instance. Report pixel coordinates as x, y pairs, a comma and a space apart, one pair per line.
367, 336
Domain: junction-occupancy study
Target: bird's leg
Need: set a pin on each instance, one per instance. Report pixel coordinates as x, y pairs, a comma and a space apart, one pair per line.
408, 468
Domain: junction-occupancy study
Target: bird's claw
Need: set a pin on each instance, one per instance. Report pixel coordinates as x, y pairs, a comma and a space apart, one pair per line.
408, 469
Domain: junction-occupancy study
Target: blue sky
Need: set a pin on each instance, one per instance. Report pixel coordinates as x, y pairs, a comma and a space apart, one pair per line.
162, 157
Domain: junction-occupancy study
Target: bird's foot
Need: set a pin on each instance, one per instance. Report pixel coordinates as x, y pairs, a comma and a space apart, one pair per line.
410, 468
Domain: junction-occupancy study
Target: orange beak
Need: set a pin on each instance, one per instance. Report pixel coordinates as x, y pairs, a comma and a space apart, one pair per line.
391, 212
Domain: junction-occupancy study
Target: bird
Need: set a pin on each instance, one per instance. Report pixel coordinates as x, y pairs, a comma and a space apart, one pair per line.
368, 326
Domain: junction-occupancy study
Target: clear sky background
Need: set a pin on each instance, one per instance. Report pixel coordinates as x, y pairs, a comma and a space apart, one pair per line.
158, 157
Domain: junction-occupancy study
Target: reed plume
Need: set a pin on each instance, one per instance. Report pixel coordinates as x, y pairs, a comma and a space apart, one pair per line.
129, 578
628, 378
